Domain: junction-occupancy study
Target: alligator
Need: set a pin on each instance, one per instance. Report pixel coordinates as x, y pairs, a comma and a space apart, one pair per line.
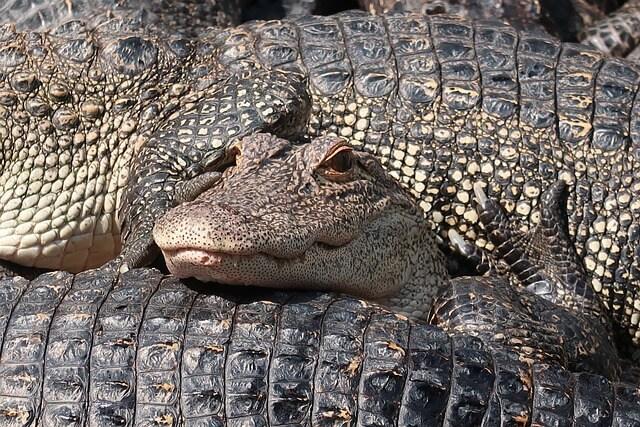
444, 102
323, 216
564, 19
141, 347
320, 216
186, 16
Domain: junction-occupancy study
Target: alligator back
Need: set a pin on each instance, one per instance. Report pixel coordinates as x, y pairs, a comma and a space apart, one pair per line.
187, 16
146, 349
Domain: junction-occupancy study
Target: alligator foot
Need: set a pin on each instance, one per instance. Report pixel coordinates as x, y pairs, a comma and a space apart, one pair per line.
548, 277
483, 263
544, 259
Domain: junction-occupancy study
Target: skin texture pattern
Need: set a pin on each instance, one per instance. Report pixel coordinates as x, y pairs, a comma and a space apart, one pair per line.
443, 102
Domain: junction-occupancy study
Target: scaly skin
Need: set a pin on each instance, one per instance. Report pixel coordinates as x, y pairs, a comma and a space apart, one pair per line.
144, 349
70, 117
318, 216
76, 104
618, 34
486, 111
443, 102
140, 347
323, 216
564, 19
186, 16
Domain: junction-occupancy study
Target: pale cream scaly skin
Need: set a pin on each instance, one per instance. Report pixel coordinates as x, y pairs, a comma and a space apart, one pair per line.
316, 216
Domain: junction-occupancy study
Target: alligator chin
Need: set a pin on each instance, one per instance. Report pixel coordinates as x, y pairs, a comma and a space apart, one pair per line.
259, 269
193, 257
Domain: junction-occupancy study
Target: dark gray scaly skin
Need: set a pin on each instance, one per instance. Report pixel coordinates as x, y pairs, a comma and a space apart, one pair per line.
145, 349
444, 103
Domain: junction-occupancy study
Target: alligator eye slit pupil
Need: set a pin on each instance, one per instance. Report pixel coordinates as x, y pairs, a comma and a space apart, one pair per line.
341, 162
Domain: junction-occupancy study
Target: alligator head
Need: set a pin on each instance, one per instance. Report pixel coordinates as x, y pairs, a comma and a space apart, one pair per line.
319, 216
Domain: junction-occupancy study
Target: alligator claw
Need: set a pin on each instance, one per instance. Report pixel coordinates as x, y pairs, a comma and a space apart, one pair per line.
461, 245
470, 252
481, 196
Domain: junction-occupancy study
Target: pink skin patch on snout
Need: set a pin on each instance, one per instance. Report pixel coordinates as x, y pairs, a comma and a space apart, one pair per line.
210, 266
189, 257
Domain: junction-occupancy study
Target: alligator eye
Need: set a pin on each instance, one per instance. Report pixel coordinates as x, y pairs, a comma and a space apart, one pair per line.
342, 161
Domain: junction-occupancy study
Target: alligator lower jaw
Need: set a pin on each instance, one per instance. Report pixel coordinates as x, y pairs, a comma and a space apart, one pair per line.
228, 269
203, 265
191, 257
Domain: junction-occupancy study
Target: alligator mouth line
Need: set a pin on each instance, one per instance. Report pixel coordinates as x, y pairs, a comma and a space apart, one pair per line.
192, 257
206, 257
200, 256
241, 269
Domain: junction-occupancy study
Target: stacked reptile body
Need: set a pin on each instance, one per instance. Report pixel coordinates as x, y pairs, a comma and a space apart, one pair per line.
442, 101
78, 105
144, 348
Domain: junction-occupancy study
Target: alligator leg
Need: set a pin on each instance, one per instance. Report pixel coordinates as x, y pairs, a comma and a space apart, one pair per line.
165, 174
544, 258
551, 291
